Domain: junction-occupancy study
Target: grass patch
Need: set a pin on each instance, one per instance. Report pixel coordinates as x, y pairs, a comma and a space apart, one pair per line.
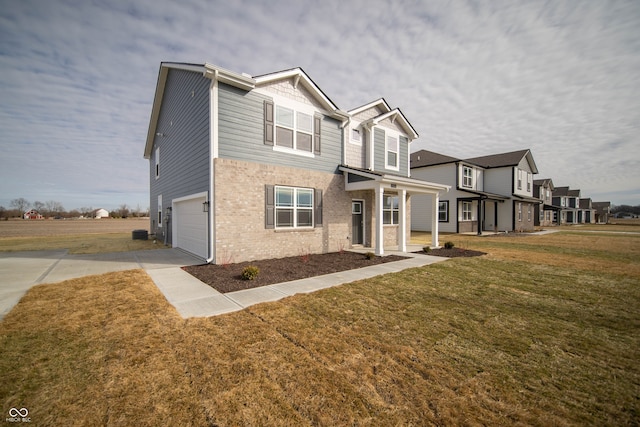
495, 340
79, 243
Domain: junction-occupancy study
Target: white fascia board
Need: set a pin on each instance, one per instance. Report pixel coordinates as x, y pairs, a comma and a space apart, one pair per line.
229, 77
155, 110
302, 77
372, 104
397, 114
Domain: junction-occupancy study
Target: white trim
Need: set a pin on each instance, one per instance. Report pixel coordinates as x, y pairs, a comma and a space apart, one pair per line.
159, 214
364, 220
372, 104
293, 151
157, 162
387, 150
294, 207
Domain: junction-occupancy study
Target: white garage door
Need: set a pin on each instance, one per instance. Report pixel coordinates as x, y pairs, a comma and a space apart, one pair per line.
190, 226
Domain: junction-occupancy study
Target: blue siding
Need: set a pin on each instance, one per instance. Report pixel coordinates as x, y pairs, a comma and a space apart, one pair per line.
241, 134
184, 148
379, 138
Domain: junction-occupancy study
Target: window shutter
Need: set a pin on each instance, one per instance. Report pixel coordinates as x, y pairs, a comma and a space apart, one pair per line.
318, 207
317, 120
268, 122
269, 207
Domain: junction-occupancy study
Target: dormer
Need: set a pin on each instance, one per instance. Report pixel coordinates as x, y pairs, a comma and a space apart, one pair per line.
378, 138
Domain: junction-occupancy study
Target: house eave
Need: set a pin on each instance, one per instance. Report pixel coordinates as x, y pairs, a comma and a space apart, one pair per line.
394, 182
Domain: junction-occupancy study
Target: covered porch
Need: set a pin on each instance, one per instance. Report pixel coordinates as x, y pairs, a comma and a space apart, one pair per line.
388, 213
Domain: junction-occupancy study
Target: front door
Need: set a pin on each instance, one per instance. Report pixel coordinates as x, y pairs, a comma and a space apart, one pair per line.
357, 222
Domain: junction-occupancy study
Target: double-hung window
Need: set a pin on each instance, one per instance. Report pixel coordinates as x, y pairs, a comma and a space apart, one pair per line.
293, 207
443, 211
157, 162
391, 153
294, 129
467, 176
519, 211
390, 210
529, 175
466, 211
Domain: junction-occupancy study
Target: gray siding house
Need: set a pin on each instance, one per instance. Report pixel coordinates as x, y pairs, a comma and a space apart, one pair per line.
489, 193
244, 168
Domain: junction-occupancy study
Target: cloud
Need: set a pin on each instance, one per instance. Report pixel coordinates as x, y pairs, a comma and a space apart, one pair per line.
474, 78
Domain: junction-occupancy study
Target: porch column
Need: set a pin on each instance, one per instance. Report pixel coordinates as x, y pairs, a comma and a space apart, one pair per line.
480, 216
434, 220
379, 192
402, 221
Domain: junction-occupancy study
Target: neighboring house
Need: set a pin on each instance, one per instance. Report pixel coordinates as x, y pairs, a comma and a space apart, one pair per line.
586, 213
489, 193
568, 202
32, 214
602, 211
545, 213
245, 168
100, 213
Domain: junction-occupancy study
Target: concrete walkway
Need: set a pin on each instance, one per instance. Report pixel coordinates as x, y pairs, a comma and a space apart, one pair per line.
19, 271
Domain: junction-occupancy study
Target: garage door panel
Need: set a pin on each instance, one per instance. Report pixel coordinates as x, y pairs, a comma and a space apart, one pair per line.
191, 226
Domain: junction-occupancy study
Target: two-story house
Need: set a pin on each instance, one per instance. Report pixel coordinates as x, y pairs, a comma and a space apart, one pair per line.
545, 213
489, 193
586, 213
244, 168
568, 202
602, 212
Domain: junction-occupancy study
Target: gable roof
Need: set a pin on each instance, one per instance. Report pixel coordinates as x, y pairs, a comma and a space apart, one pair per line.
300, 77
512, 158
378, 102
242, 81
424, 158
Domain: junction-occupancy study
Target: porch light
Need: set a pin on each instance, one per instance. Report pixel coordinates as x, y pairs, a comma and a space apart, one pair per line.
205, 206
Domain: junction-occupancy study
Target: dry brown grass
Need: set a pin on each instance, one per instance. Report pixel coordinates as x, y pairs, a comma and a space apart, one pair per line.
478, 341
78, 236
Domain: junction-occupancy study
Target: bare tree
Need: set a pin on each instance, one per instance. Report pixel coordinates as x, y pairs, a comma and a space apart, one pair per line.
53, 207
123, 211
20, 204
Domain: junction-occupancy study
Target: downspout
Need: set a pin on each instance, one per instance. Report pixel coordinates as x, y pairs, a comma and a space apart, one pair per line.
213, 153
344, 125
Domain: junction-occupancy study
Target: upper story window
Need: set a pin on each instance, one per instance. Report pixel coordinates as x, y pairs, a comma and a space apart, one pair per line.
157, 162
467, 176
356, 137
392, 153
519, 179
529, 175
292, 128
390, 210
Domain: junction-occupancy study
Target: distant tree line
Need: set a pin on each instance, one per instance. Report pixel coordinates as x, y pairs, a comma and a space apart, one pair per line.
54, 209
635, 210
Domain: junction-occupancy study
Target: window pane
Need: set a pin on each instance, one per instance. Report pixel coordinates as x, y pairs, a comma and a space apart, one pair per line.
396, 202
395, 217
284, 197
303, 141
305, 198
284, 117
386, 217
284, 217
392, 143
305, 218
305, 123
284, 137
392, 159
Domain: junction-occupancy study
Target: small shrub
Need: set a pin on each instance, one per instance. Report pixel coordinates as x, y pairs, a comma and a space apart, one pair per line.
426, 249
369, 255
250, 272
448, 245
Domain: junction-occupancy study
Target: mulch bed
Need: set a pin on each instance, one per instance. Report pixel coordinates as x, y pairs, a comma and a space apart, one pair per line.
452, 253
226, 278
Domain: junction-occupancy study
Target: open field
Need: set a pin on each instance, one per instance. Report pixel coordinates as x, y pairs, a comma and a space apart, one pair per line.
544, 330
78, 236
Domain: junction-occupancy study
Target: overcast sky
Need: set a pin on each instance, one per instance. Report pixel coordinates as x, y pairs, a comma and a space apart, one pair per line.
561, 78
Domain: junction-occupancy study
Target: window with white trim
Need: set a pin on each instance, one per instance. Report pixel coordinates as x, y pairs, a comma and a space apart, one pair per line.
293, 129
529, 175
160, 210
356, 137
293, 207
392, 149
443, 211
520, 211
466, 211
467, 176
519, 179
529, 212
390, 210
157, 162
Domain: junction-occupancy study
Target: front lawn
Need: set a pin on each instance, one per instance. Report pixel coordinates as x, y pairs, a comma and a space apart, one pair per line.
537, 332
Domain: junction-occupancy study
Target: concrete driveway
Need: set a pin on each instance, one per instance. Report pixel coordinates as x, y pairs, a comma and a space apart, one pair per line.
19, 271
